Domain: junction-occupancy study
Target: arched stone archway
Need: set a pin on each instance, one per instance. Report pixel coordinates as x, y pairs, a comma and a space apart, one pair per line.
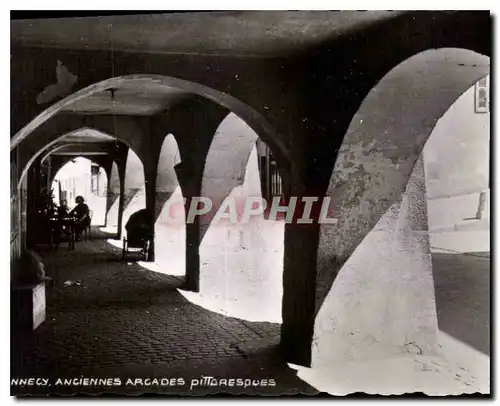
248, 114
57, 161
457, 172
241, 262
76, 174
26, 159
380, 242
134, 190
170, 225
67, 126
50, 140
457, 166
351, 78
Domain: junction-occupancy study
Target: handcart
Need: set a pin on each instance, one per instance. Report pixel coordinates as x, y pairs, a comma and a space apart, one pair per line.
139, 235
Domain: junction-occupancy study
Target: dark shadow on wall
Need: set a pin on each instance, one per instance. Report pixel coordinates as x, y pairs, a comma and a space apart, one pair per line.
112, 198
160, 199
129, 195
462, 284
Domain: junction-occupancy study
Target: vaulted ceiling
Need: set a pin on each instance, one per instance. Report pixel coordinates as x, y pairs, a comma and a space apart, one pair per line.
131, 98
248, 33
257, 33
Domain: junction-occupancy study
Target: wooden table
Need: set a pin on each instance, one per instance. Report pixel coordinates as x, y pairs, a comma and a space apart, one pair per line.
57, 226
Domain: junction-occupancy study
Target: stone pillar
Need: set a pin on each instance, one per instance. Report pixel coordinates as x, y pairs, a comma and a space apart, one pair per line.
150, 191
193, 123
33, 186
121, 204
382, 302
49, 172
192, 255
189, 180
15, 209
299, 292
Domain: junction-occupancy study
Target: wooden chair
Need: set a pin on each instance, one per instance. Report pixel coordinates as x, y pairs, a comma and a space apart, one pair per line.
87, 230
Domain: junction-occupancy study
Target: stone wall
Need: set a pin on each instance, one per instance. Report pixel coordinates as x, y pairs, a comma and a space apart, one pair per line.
170, 227
241, 264
113, 200
382, 302
134, 195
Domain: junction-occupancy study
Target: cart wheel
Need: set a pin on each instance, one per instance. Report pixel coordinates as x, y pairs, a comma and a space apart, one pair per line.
124, 250
146, 251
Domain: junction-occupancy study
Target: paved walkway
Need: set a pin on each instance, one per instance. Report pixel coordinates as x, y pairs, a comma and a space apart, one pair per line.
462, 283
107, 317
114, 319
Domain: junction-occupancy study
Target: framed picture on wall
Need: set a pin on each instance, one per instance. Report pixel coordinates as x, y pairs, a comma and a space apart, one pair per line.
482, 95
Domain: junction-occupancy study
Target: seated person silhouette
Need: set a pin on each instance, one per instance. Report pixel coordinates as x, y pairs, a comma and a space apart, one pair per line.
62, 210
81, 214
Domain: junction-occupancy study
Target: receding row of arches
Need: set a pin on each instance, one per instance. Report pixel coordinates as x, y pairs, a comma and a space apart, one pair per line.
231, 255
371, 173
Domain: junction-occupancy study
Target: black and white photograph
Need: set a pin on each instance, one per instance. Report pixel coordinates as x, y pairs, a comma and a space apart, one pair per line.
260, 203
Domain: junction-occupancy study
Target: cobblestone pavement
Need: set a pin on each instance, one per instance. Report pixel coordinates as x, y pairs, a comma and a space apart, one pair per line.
462, 283
119, 318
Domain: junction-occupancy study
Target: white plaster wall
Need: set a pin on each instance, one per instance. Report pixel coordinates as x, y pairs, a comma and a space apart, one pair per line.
382, 302
166, 179
170, 226
226, 163
114, 189
134, 171
456, 155
456, 159
138, 202
461, 241
170, 238
457, 211
241, 265
98, 206
135, 189
75, 179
